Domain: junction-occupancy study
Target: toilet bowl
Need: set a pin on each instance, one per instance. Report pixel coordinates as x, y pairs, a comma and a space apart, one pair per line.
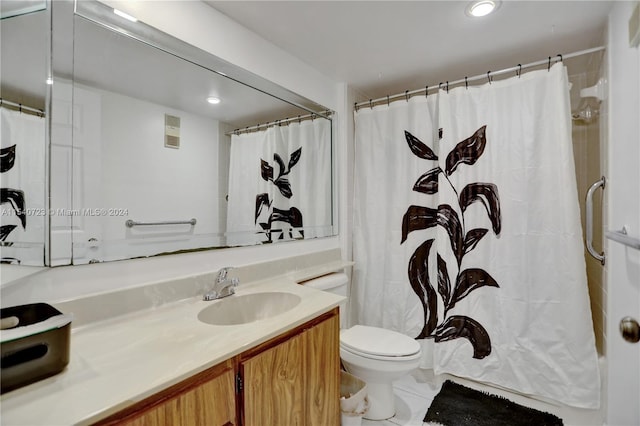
378, 357
375, 355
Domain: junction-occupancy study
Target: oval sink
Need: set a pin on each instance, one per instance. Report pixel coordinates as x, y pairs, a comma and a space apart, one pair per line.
235, 310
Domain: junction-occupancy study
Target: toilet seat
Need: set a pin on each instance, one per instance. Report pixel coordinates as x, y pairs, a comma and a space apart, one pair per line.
378, 343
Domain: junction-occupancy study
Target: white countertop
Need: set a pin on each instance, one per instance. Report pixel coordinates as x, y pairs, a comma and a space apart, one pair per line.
120, 361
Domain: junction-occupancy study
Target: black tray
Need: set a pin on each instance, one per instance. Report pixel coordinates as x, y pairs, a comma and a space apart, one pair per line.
34, 356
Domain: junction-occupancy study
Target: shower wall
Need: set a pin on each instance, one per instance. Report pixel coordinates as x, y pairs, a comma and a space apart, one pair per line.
586, 148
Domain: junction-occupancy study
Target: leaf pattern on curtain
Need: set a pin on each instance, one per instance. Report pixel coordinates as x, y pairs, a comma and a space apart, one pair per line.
7, 158
293, 215
461, 242
14, 197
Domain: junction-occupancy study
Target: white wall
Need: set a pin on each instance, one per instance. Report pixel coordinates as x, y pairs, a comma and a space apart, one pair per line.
622, 208
206, 28
154, 183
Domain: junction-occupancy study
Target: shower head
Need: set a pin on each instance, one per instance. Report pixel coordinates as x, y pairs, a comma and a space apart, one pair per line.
590, 98
585, 113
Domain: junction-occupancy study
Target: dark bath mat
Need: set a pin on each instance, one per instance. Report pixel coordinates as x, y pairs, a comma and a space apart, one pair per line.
457, 405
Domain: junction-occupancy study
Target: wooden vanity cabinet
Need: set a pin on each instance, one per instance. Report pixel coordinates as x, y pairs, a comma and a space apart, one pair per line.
207, 398
292, 379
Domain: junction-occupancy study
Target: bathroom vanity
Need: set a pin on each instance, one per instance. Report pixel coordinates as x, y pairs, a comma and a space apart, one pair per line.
290, 379
163, 365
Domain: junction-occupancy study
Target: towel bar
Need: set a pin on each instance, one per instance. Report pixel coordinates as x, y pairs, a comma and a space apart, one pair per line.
622, 237
130, 223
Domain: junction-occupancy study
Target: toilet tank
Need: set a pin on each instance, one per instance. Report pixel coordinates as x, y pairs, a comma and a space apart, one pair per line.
336, 283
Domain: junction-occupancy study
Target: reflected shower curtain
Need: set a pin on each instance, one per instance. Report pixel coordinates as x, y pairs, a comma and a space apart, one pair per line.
22, 182
502, 282
279, 182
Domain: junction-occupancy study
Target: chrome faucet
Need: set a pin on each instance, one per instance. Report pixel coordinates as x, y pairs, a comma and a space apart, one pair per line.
223, 286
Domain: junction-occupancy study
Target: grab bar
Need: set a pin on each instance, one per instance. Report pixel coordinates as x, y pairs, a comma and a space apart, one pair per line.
130, 223
589, 207
622, 237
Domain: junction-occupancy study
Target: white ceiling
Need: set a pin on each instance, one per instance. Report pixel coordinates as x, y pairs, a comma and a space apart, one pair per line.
387, 47
107, 60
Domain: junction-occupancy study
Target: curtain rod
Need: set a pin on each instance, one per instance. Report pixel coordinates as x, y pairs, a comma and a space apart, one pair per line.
22, 108
489, 76
258, 127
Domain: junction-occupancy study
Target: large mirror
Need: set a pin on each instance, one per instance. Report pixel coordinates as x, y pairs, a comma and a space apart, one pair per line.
24, 50
158, 147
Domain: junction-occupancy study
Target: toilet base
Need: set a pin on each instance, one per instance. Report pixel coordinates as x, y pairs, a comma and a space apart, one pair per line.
381, 401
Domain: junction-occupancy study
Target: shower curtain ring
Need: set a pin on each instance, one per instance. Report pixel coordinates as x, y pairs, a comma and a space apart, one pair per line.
519, 72
355, 106
549, 65
466, 83
387, 100
489, 76
370, 103
426, 91
447, 87
440, 85
560, 58
406, 95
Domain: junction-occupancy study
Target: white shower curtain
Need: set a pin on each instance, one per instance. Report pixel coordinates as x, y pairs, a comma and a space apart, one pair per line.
385, 170
506, 265
23, 210
279, 183
244, 184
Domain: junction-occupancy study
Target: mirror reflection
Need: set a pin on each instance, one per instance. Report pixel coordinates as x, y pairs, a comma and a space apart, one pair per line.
23, 93
171, 155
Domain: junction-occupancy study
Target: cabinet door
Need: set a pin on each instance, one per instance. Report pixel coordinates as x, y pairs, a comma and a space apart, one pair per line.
322, 373
274, 392
296, 379
208, 400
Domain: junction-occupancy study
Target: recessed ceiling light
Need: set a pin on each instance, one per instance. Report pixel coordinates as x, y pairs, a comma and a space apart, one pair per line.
482, 8
125, 15
213, 100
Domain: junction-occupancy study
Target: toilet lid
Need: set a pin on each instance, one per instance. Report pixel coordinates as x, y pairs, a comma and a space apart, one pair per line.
378, 341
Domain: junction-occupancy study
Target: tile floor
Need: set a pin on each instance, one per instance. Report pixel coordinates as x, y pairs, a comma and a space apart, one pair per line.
415, 392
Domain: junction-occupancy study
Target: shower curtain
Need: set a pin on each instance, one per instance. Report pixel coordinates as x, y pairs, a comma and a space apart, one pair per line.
279, 181
22, 210
487, 245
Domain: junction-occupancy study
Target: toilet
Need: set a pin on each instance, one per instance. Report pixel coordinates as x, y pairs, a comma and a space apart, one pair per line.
373, 354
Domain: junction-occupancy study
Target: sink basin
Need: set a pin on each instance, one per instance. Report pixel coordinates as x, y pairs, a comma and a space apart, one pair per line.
235, 310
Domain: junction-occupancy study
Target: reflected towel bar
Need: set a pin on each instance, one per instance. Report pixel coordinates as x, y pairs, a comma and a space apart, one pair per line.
130, 223
622, 237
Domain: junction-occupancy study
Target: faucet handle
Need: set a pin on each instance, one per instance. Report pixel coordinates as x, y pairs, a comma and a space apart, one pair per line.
222, 274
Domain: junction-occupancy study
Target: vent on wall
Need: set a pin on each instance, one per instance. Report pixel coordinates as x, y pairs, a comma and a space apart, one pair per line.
171, 131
